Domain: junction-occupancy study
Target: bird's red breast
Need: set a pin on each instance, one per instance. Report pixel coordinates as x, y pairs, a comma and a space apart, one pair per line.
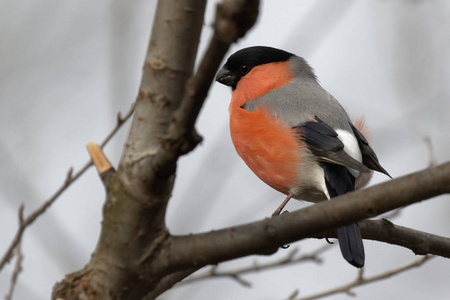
268, 146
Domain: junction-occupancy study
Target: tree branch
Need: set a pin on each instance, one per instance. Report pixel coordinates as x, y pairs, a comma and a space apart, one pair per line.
383, 230
361, 280
233, 20
16, 272
119, 122
419, 242
264, 237
290, 258
379, 230
167, 282
18, 265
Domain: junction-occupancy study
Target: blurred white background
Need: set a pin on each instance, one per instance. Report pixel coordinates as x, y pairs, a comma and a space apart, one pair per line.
67, 68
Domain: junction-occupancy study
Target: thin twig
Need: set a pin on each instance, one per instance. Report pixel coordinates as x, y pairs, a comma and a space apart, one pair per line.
290, 258
19, 259
120, 121
15, 274
293, 295
361, 280
70, 178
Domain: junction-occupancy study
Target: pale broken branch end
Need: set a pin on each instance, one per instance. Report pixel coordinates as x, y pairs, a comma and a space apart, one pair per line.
99, 159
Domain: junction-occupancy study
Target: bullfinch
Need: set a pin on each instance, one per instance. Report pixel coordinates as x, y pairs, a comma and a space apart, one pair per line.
294, 135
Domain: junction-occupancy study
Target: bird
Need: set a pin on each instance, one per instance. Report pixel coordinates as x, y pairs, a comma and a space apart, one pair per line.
295, 136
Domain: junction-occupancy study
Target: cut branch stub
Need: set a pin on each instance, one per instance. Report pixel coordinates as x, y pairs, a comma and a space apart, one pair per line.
99, 158
101, 162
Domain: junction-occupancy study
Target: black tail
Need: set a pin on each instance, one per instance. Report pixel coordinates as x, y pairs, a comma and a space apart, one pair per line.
339, 181
351, 244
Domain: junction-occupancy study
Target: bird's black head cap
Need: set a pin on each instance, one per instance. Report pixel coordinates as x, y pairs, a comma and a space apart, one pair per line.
243, 61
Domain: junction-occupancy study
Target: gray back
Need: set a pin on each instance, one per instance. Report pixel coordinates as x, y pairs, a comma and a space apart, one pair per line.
302, 100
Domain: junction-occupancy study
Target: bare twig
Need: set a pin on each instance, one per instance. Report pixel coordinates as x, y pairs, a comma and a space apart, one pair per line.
168, 282
120, 121
361, 280
70, 178
290, 258
419, 242
21, 208
19, 259
293, 295
385, 231
15, 274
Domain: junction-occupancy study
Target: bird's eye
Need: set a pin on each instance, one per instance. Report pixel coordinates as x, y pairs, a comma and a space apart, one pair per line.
244, 69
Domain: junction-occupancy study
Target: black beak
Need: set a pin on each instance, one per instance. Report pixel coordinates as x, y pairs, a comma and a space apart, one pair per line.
226, 77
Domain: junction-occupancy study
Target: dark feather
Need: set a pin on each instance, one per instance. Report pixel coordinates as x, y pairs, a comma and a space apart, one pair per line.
323, 142
369, 157
339, 181
351, 244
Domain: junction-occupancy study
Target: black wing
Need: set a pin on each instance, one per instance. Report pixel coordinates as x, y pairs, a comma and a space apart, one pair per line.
369, 157
323, 142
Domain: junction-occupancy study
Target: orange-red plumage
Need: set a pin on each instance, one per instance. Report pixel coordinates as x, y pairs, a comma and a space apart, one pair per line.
260, 81
270, 148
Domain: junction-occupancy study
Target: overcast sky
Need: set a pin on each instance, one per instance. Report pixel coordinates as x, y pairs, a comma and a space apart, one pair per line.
67, 68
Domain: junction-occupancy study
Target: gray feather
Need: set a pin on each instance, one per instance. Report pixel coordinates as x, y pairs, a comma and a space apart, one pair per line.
301, 100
